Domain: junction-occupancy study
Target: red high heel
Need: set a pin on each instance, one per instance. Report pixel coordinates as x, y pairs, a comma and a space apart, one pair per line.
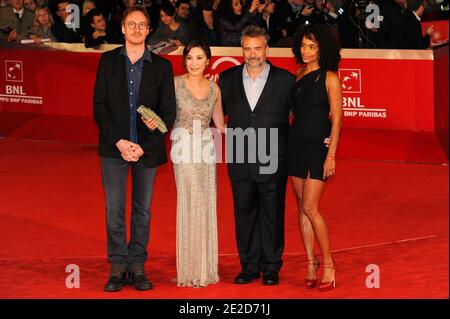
312, 283
329, 285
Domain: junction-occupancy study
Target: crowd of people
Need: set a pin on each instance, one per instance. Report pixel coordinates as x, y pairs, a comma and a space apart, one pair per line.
220, 22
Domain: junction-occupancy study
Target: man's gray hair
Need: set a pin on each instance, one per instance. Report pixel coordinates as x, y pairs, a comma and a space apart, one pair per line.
253, 31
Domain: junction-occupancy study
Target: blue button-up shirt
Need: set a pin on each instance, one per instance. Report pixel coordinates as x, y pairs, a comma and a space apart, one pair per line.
134, 76
254, 88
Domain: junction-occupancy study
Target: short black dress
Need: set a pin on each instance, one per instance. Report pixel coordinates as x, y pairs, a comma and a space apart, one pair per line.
306, 150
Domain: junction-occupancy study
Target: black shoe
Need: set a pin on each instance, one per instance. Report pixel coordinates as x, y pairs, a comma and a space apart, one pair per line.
140, 281
116, 281
246, 277
270, 278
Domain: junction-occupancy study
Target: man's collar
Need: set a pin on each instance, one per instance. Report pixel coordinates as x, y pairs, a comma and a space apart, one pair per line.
20, 12
147, 55
417, 17
264, 73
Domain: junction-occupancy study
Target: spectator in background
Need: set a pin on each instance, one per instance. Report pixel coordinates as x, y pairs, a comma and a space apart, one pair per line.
85, 24
102, 32
30, 4
234, 19
204, 12
408, 34
42, 3
116, 8
392, 12
153, 9
317, 14
16, 22
183, 16
269, 21
42, 25
60, 30
170, 30
182, 9
5, 3
292, 14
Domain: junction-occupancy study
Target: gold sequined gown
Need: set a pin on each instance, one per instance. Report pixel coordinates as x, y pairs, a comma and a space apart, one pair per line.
195, 178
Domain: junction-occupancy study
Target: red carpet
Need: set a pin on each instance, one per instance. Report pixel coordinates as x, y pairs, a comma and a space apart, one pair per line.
391, 214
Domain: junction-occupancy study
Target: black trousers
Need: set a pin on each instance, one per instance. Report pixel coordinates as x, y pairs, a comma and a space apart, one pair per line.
259, 218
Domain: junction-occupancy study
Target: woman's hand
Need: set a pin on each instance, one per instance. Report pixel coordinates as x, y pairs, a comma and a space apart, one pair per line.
329, 168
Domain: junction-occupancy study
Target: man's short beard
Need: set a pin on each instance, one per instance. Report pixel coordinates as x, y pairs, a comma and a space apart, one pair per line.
248, 63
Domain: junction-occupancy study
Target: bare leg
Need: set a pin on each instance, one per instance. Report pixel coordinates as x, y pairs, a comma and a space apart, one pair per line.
306, 229
312, 191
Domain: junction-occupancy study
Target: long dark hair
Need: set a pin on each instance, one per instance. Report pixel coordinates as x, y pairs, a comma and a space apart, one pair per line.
226, 10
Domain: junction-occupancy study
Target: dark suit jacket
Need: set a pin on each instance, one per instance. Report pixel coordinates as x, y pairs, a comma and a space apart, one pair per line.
408, 34
64, 34
111, 105
271, 111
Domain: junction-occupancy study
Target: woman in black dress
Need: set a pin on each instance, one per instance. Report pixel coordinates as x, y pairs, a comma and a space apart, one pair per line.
317, 109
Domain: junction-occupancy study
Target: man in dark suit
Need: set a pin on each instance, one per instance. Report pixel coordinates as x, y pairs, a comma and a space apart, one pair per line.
126, 78
255, 97
408, 33
16, 22
60, 30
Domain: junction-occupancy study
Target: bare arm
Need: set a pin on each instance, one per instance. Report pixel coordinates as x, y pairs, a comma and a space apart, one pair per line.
334, 88
218, 117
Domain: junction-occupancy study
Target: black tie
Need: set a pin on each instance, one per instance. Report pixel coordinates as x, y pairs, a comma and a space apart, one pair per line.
18, 16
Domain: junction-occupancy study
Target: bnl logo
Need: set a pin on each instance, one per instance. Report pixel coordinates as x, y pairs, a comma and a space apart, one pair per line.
14, 73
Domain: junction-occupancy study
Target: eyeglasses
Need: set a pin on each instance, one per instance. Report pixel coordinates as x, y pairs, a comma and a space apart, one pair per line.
141, 26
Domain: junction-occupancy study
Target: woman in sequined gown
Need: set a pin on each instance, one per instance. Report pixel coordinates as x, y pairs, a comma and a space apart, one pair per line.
193, 155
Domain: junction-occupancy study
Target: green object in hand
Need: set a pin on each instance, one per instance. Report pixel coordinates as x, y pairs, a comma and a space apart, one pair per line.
148, 114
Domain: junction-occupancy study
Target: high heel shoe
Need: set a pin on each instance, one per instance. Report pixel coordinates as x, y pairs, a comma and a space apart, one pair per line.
312, 283
329, 285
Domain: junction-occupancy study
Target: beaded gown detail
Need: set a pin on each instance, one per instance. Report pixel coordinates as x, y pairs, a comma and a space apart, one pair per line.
195, 178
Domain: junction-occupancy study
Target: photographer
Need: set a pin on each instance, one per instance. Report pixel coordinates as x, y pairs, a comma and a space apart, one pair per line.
408, 34
355, 30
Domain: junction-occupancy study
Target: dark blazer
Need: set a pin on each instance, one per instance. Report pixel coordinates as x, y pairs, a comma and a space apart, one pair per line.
64, 34
111, 105
271, 111
408, 34
113, 36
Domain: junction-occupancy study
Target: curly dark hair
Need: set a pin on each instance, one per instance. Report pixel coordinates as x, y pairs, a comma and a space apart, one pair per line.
329, 49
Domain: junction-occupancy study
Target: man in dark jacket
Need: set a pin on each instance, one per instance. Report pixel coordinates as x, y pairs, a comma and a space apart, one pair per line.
408, 34
128, 77
256, 98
